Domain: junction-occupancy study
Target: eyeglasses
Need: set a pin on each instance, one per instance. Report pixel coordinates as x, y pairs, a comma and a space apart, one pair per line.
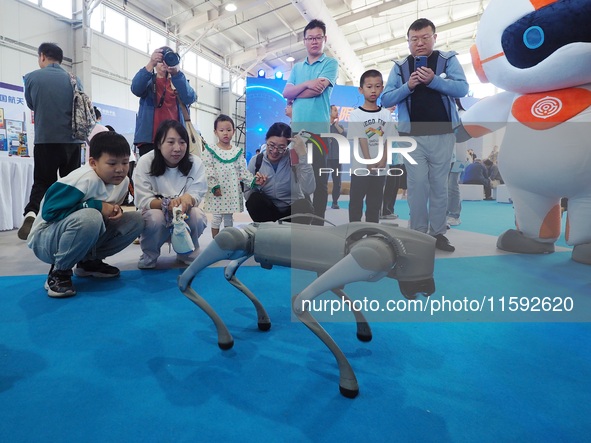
424, 39
314, 39
273, 147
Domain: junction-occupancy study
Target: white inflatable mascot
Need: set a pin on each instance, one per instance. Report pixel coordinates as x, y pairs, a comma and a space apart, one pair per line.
539, 52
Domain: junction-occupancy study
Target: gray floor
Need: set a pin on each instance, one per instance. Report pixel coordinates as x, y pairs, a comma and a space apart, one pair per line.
18, 259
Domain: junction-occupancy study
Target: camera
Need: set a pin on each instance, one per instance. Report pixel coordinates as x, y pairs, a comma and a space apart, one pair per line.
170, 57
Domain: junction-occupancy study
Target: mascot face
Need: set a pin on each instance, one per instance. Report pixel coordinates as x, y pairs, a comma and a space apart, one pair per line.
530, 46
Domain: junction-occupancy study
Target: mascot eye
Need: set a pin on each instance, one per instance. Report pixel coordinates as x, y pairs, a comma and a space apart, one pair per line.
533, 37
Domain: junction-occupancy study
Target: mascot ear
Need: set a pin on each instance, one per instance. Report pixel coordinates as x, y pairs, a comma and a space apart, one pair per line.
477, 63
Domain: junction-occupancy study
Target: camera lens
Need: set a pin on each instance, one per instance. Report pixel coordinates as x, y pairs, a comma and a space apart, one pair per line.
171, 58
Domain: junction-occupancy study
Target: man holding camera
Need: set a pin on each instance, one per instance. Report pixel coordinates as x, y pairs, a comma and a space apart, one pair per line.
162, 89
427, 112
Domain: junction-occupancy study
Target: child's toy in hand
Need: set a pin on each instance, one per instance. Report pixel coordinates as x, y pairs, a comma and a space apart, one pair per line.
181, 233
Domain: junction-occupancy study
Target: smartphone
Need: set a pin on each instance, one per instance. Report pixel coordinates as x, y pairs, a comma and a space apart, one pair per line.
420, 61
293, 157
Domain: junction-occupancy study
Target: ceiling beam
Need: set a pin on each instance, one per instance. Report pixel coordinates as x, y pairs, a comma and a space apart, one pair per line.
215, 15
402, 40
374, 10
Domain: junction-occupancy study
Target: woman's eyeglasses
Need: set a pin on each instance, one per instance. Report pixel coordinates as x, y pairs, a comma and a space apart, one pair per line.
273, 147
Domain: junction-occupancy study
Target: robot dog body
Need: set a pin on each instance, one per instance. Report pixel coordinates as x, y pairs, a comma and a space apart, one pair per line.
339, 255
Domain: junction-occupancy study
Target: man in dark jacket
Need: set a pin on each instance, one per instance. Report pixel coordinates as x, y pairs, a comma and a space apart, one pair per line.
477, 174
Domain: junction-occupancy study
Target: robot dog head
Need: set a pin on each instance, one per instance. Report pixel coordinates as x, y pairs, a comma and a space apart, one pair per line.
528, 46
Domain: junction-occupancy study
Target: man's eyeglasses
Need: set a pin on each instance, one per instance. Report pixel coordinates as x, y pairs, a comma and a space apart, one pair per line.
273, 147
423, 38
314, 39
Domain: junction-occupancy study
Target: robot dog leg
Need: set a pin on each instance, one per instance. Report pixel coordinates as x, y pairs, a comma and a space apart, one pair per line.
230, 244
369, 259
338, 255
264, 323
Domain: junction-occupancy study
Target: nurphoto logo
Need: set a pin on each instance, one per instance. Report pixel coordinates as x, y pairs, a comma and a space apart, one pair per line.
395, 145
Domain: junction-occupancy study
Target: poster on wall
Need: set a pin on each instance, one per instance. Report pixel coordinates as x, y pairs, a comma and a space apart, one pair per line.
121, 120
15, 121
16, 138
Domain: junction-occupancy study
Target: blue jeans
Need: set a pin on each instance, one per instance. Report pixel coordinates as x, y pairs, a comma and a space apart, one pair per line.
84, 235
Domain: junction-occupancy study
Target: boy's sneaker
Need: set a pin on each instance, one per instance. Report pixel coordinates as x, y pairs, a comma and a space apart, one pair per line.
24, 230
388, 216
335, 206
452, 221
59, 283
95, 268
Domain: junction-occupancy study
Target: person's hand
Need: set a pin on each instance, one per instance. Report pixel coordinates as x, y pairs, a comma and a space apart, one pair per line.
111, 212
425, 75
317, 85
260, 179
185, 201
374, 168
414, 80
155, 58
173, 70
298, 145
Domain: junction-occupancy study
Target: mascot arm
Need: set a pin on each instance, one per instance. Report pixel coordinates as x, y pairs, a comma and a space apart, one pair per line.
488, 115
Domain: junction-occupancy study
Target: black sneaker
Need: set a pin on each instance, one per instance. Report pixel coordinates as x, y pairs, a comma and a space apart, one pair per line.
95, 268
24, 230
59, 283
335, 206
443, 244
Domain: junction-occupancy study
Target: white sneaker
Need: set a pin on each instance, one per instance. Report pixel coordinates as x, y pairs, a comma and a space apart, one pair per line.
142, 264
453, 221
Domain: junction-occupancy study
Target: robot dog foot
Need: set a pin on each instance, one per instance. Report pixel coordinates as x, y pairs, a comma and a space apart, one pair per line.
514, 241
582, 253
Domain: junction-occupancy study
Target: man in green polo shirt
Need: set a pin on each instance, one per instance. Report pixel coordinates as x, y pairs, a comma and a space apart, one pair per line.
310, 86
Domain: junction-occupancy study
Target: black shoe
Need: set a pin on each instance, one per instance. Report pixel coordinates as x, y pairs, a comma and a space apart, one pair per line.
489, 198
24, 230
443, 244
59, 283
95, 268
335, 206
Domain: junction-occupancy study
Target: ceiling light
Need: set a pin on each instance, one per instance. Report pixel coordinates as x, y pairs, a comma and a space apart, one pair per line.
279, 75
290, 59
261, 73
230, 7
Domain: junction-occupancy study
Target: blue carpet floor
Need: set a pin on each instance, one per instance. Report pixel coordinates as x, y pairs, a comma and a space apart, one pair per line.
133, 360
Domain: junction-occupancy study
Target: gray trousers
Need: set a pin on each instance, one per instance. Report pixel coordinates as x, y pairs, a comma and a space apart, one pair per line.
84, 235
454, 200
427, 182
156, 233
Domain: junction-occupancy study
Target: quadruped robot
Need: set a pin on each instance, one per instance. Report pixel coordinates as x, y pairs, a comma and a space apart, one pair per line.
348, 253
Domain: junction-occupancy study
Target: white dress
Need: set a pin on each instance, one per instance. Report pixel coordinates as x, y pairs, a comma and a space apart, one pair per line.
225, 168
